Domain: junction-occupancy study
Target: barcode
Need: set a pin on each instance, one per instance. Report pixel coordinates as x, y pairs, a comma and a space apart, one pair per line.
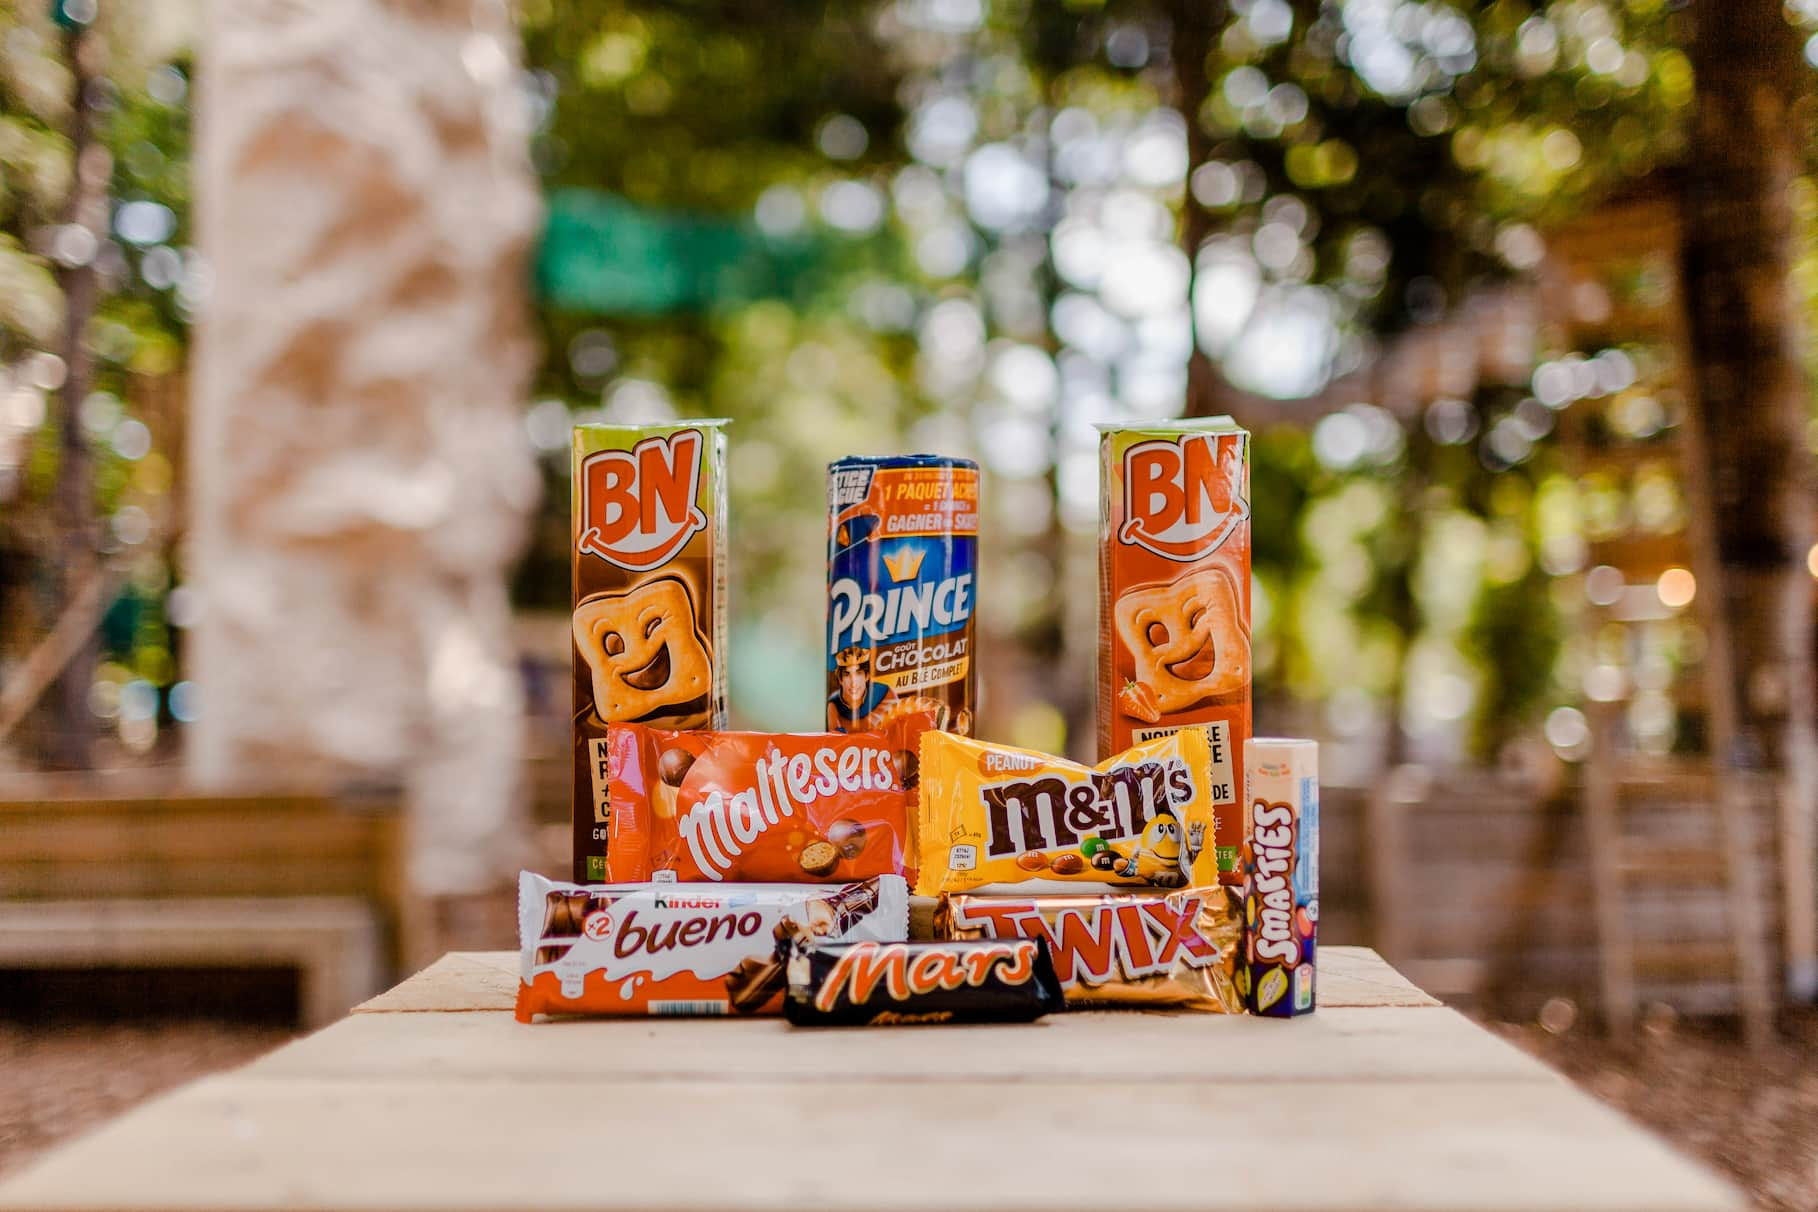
685, 1006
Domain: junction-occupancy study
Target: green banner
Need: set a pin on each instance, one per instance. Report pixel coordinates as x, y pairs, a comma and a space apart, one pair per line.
604, 254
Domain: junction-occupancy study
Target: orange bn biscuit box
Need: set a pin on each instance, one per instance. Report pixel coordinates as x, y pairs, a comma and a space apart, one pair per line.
1174, 603
649, 599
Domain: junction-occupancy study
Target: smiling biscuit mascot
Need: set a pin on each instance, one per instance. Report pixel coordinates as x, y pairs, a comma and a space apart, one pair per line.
1187, 638
649, 659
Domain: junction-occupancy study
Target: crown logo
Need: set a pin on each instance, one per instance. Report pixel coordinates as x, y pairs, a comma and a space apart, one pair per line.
905, 564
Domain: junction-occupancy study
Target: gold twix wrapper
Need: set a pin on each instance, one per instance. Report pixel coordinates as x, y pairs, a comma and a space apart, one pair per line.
1177, 949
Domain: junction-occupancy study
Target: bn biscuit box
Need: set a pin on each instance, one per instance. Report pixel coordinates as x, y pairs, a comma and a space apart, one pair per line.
1174, 602
649, 625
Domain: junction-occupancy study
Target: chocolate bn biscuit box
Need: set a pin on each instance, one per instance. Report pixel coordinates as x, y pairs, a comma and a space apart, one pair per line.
1174, 603
649, 564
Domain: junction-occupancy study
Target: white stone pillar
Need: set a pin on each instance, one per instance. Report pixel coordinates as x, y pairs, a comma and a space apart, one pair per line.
360, 476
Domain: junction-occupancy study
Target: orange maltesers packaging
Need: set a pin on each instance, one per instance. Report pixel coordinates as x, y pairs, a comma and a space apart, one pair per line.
1174, 603
777, 807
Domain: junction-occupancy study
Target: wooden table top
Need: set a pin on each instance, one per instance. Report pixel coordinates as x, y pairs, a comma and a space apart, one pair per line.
431, 1097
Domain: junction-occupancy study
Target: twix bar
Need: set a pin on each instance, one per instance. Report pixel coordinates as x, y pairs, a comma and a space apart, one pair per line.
1174, 602
649, 561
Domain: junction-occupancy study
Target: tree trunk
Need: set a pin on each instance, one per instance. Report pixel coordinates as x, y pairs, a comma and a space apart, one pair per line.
1752, 407
360, 476
1195, 25
68, 723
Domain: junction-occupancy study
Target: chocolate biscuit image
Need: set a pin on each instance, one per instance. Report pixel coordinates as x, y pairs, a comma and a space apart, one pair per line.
647, 655
1186, 638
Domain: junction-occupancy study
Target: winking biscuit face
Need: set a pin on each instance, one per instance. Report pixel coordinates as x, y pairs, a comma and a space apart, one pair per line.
1186, 639
648, 657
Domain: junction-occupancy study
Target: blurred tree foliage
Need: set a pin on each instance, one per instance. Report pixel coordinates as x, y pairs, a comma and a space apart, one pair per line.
699, 109
989, 211
136, 102
1339, 172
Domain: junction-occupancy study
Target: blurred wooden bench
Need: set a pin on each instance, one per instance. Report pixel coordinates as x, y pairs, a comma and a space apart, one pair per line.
1484, 889
92, 875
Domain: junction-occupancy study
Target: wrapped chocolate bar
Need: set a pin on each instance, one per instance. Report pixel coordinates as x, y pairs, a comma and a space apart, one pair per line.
627, 949
874, 984
782, 807
1161, 950
995, 817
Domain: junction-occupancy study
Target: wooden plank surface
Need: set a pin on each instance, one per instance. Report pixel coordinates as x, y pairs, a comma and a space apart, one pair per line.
1376, 1044
1087, 1140
460, 980
488, 980
1377, 1105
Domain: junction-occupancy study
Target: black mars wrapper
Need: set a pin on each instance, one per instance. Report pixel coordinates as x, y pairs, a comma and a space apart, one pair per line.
872, 984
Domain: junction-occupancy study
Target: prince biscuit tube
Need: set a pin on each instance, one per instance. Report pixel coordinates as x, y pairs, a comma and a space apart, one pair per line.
1281, 876
649, 562
902, 539
1174, 602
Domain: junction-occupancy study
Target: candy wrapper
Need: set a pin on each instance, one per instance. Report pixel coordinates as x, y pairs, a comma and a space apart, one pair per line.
627, 949
994, 817
758, 806
1173, 950
1281, 876
874, 984
1174, 602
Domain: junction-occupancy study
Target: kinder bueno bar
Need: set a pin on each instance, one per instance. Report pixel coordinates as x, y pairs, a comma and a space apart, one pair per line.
810, 807
649, 563
1175, 949
902, 535
683, 949
994, 817
1174, 602
1281, 876
873, 984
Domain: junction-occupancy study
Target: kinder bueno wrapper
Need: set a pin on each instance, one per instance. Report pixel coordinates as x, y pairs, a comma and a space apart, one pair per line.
1176, 949
793, 807
1174, 602
1281, 876
683, 948
874, 984
998, 818
649, 623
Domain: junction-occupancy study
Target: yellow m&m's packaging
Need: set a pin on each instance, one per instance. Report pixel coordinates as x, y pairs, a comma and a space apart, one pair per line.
999, 818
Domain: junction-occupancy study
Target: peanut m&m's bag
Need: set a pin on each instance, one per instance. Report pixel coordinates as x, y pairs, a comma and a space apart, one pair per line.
999, 818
